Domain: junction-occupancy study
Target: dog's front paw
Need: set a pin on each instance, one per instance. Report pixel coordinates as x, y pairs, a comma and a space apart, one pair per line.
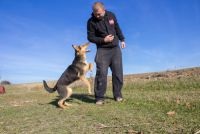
90, 66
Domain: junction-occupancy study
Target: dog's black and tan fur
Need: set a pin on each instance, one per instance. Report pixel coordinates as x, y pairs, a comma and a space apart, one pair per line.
76, 71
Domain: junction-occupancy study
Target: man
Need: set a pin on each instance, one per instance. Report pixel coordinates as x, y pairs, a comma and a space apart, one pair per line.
104, 31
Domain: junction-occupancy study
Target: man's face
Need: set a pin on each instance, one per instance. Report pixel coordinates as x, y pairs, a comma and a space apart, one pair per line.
99, 13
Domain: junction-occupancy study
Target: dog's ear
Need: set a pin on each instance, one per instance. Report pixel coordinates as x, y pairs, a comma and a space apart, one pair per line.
87, 44
75, 47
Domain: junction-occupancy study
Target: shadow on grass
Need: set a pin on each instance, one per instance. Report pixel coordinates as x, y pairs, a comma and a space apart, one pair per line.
81, 97
87, 98
84, 98
54, 102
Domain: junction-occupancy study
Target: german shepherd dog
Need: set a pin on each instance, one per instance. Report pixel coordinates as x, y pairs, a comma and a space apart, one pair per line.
76, 71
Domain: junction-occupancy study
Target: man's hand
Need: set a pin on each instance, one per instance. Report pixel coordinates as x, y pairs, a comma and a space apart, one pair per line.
123, 44
108, 38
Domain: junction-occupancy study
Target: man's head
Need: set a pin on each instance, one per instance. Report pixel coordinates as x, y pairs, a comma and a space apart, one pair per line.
98, 10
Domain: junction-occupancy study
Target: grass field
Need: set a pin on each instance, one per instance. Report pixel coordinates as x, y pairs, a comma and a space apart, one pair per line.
150, 106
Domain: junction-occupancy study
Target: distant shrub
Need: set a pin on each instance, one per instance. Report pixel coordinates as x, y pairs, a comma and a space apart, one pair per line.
5, 82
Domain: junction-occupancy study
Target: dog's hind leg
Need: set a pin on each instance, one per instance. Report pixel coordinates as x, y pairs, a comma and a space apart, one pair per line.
69, 93
64, 92
87, 83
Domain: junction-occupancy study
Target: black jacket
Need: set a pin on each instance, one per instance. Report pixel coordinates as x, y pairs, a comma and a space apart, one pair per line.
97, 30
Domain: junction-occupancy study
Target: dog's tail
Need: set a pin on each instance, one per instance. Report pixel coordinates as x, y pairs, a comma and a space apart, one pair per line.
47, 88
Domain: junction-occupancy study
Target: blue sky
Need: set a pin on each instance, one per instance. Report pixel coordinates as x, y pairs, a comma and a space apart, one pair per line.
36, 35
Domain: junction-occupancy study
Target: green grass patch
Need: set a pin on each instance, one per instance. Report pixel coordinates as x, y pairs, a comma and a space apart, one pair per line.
144, 109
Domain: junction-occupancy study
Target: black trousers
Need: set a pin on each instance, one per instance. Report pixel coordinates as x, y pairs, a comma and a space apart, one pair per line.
105, 58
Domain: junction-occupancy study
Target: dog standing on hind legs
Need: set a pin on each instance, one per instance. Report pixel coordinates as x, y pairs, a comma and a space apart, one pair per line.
76, 71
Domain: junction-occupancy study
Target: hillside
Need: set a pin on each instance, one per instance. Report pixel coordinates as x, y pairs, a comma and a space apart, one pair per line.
170, 74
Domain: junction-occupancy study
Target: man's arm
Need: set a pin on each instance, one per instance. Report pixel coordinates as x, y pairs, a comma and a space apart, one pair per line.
91, 34
118, 30
119, 33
